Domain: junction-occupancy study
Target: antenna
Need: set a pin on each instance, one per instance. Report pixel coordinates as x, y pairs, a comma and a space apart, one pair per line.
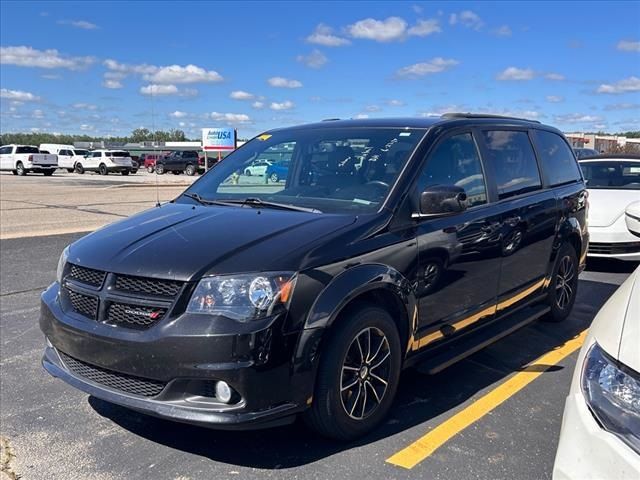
155, 143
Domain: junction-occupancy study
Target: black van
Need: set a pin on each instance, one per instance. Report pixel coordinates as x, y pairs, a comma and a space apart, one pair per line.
390, 243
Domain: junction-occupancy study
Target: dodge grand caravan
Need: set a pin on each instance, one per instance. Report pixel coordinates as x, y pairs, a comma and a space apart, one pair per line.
390, 243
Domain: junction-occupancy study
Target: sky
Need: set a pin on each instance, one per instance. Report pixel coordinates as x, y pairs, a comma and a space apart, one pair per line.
106, 68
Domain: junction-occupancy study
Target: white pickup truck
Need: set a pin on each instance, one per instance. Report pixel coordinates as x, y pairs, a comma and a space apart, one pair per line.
22, 159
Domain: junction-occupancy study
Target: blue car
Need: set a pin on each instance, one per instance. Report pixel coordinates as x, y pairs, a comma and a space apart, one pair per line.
278, 171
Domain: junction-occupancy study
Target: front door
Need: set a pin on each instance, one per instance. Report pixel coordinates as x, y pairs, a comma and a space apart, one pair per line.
459, 254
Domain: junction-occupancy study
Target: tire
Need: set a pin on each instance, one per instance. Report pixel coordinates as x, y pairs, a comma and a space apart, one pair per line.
190, 170
103, 170
79, 168
150, 169
337, 411
20, 169
247, 172
14, 172
274, 178
70, 170
124, 173
564, 284
48, 173
160, 169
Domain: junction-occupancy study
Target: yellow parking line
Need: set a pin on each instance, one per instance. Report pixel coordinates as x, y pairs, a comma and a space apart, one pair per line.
422, 448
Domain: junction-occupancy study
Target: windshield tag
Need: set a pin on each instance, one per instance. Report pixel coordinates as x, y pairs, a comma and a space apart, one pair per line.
361, 201
405, 134
264, 137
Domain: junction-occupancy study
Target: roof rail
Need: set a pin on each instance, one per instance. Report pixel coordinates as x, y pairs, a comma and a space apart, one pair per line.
484, 115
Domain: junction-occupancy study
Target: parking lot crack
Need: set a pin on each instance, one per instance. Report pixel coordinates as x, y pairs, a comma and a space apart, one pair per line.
6, 459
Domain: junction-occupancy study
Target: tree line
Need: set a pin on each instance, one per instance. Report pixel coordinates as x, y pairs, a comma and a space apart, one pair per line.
136, 136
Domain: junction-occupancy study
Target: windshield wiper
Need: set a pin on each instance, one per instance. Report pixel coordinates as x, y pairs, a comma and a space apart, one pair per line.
204, 201
258, 203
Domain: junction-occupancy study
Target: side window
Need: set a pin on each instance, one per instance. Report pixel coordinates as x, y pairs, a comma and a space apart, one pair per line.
557, 160
5, 150
513, 161
456, 162
97, 154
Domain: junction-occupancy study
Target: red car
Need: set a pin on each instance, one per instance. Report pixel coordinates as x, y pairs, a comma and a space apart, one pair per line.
149, 160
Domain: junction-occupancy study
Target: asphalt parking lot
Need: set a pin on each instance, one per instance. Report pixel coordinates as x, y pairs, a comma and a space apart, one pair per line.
465, 422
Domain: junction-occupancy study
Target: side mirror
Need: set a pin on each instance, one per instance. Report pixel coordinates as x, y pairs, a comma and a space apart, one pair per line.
443, 199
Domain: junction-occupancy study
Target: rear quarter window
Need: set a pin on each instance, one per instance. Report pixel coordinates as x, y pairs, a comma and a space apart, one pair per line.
557, 160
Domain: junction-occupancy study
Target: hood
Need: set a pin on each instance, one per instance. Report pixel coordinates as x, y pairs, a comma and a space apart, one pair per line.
629, 352
185, 241
606, 206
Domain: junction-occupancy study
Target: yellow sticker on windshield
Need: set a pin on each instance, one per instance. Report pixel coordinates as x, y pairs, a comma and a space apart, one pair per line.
264, 137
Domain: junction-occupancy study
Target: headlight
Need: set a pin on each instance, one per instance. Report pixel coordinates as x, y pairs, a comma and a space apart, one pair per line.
612, 392
243, 297
61, 263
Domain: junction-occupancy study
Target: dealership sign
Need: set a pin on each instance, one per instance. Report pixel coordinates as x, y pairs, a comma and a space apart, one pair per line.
218, 139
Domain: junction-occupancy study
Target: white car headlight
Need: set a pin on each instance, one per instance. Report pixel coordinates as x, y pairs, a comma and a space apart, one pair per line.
612, 391
243, 297
62, 261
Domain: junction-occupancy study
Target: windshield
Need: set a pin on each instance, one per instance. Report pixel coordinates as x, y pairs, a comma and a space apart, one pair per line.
330, 170
622, 175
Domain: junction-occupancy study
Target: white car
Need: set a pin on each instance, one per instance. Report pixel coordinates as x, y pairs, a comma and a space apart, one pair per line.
613, 182
258, 167
632, 218
600, 436
106, 161
22, 159
68, 155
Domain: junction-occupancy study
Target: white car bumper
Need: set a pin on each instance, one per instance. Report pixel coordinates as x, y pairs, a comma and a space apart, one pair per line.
614, 241
586, 451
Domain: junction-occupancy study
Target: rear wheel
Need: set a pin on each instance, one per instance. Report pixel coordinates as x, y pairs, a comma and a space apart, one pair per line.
190, 170
20, 169
150, 169
102, 169
564, 284
79, 168
358, 374
274, 178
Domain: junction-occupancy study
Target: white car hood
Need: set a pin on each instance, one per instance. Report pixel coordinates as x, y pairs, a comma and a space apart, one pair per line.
630, 342
606, 206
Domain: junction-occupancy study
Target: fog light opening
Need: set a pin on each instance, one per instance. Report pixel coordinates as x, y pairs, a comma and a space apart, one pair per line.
223, 392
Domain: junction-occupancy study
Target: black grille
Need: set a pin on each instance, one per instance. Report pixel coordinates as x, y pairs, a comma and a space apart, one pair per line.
84, 304
114, 380
614, 248
134, 316
163, 288
87, 275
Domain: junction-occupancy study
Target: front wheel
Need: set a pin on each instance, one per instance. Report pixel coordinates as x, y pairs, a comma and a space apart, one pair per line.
160, 169
79, 168
20, 170
102, 169
274, 178
358, 374
564, 284
247, 172
150, 169
190, 170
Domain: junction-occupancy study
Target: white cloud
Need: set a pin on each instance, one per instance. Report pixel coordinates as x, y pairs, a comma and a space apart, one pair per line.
514, 73
554, 99
286, 105
18, 95
422, 28
323, 35
395, 103
127, 69
241, 95
174, 74
577, 118
466, 18
38, 114
87, 128
83, 24
30, 57
628, 46
112, 84
178, 114
282, 82
361, 116
316, 59
622, 106
631, 84
159, 90
84, 106
372, 108
388, 30
257, 105
230, 118
435, 65
554, 76
503, 31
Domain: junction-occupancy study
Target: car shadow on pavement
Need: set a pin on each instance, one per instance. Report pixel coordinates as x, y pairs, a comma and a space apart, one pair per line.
420, 398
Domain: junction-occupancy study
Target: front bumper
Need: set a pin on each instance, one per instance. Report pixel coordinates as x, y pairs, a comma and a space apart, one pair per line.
185, 356
614, 241
586, 451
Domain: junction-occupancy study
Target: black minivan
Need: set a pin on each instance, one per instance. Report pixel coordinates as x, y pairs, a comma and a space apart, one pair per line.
391, 243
